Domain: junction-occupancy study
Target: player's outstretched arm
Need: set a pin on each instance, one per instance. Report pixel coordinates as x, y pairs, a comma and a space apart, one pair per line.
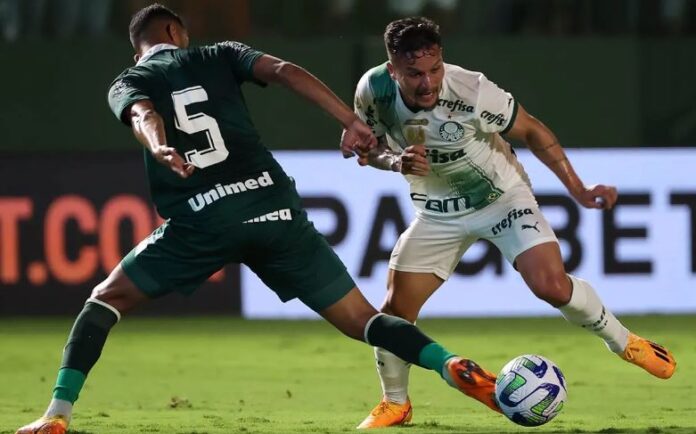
545, 146
148, 128
380, 157
270, 69
412, 161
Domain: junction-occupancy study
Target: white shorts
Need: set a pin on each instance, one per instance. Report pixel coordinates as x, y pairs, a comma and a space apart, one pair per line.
435, 245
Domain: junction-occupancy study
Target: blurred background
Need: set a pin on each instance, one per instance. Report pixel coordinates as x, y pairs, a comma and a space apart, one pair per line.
612, 76
600, 73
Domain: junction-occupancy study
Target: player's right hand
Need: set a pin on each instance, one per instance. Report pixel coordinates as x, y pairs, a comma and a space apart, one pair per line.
414, 162
597, 196
357, 138
167, 156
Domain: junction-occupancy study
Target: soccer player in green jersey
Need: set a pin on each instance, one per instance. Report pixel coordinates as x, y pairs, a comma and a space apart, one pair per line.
226, 200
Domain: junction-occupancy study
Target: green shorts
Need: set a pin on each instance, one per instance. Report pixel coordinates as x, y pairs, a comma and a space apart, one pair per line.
282, 247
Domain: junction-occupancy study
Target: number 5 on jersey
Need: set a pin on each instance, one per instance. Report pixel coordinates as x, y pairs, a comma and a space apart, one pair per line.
216, 152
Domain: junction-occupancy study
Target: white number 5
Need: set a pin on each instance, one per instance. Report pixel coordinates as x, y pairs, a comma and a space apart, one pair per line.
196, 123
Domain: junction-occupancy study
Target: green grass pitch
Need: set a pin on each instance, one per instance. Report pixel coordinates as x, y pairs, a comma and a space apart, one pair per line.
220, 375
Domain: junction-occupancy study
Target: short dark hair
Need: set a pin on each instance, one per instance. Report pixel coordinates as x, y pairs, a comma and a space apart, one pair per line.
143, 19
411, 34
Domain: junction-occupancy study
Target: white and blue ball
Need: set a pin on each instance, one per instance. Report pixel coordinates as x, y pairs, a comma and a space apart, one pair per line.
531, 390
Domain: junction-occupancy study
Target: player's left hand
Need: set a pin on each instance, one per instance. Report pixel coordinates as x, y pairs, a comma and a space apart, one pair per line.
167, 156
414, 161
597, 196
357, 138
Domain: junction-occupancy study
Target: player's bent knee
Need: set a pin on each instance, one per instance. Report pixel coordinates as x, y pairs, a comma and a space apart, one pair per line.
120, 297
400, 307
350, 315
353, 328
552, 288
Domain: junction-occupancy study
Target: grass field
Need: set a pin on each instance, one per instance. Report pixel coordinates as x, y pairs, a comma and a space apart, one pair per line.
219, 375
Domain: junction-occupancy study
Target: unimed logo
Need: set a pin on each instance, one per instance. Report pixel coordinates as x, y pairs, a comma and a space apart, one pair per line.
199, 201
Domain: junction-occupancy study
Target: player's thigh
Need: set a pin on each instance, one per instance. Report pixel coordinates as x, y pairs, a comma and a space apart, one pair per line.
431, 246
407, 293
293, 259
176, 258
514, 223
543, 271
350, 314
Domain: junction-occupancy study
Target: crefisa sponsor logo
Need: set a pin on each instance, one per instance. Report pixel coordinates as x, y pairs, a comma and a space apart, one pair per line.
513, 215
457, 105
494, 118
436, 156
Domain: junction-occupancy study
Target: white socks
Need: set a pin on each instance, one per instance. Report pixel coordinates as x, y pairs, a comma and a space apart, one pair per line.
393, 373
59, 407
586, 310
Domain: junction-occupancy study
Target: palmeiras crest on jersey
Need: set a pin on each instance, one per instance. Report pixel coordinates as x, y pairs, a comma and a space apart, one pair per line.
451, 131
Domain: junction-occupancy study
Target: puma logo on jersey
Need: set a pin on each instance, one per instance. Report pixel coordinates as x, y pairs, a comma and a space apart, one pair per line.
201, 200
513, 215
274, 216
531, 227
437, 157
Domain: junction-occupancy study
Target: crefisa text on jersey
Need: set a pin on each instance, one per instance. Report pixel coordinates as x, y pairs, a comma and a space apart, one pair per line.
457, 105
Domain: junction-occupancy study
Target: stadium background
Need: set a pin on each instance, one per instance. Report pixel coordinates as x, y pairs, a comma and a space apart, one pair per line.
73, 198
614, 80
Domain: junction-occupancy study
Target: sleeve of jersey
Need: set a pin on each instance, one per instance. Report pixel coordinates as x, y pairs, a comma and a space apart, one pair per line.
242, 58
496, 109
366, 108
125, 91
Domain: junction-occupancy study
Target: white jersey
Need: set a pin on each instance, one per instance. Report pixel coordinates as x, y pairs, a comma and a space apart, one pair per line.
471, 165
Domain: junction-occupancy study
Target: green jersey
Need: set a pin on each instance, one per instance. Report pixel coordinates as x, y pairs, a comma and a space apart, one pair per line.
197, 91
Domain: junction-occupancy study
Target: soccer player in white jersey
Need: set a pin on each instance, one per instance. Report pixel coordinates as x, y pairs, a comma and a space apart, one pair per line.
443, 128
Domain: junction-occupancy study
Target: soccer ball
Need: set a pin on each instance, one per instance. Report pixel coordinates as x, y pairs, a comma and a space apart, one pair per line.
530, 390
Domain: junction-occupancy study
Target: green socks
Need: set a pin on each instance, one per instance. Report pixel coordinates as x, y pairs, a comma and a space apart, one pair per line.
84, 347
68, 384
406, 341
434, 356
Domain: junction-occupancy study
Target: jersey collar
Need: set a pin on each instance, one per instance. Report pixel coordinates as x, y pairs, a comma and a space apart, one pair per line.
154, 50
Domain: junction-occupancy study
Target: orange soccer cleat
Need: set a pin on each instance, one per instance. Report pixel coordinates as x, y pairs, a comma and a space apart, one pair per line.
650, 356
45, 425
388, 413
472, 380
